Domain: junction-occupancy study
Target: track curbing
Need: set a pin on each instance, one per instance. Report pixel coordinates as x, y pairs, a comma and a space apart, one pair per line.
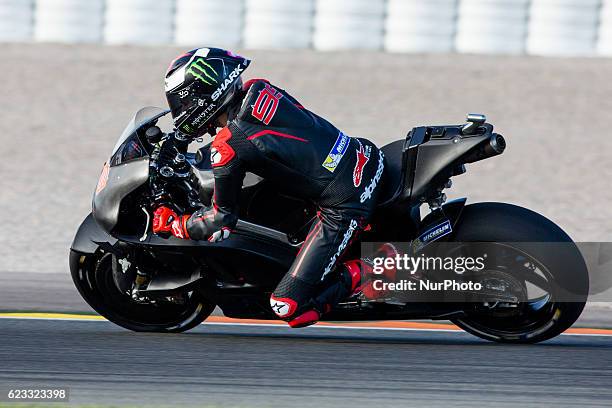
221, 320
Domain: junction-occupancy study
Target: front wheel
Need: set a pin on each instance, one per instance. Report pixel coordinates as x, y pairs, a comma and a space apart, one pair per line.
93, 276
537, 317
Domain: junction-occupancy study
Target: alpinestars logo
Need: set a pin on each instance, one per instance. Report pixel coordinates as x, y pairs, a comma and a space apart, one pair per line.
363, 156
345, 241
367, 194
280, 307
177, 230
203, 71
215, 156
228, 81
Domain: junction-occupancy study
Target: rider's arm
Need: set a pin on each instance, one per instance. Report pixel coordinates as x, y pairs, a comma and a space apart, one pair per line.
216, 222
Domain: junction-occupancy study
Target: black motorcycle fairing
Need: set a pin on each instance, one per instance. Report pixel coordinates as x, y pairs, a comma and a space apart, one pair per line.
395, 172
441, 153
419, 166
90, 236
128, 167
400, 168
266, 245
170, 283
122, 180
223, 264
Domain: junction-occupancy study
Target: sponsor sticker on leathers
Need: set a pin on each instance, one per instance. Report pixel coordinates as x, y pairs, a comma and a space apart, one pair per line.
369, 190
363, 156
337, 152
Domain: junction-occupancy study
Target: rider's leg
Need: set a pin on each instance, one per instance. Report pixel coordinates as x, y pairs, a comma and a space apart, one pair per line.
324, 246
352, 277
299, 297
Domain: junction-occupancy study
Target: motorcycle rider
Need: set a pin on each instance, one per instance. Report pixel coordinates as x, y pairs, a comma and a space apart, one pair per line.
268, 132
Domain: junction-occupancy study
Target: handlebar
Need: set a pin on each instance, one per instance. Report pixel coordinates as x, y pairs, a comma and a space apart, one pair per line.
169, 169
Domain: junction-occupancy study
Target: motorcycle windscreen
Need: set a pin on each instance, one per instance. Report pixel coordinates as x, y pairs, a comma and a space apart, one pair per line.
126, 170
145, 116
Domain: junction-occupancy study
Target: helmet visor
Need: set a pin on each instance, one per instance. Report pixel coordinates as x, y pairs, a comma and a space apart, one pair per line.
180, 103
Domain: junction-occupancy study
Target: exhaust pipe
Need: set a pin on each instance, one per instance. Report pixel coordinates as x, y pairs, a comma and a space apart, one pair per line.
494, 146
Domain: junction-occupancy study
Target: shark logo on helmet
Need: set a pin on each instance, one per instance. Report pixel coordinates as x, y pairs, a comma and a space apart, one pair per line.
228, 81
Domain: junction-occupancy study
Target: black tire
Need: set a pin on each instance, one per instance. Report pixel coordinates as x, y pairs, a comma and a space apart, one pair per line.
497, 222
92, 275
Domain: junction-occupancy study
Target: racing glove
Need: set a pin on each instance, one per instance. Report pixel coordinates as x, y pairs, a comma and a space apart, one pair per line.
165, 221
212, 223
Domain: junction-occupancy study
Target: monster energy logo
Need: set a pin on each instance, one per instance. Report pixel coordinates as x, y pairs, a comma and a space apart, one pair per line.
200, 70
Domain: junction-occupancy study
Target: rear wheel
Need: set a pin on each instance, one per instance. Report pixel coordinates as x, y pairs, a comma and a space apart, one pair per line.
93, 277
540, 277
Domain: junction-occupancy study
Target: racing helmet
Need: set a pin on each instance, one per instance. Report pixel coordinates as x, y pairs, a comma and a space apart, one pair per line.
200, 86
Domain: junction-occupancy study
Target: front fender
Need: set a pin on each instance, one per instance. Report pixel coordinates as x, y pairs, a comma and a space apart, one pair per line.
90, 236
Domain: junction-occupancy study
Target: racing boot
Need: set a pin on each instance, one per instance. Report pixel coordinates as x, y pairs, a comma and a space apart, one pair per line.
302, 314
356, 276
347, 284
311, 316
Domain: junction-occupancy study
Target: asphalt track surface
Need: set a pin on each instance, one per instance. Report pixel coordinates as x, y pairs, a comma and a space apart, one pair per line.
273, 366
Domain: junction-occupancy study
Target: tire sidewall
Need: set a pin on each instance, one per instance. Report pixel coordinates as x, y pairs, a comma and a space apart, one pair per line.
498, 222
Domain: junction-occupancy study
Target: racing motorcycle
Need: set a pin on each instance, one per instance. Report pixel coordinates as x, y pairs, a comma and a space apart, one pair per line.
144, 282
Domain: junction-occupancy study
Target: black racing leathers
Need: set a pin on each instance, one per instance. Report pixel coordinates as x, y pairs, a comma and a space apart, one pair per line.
276, 138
